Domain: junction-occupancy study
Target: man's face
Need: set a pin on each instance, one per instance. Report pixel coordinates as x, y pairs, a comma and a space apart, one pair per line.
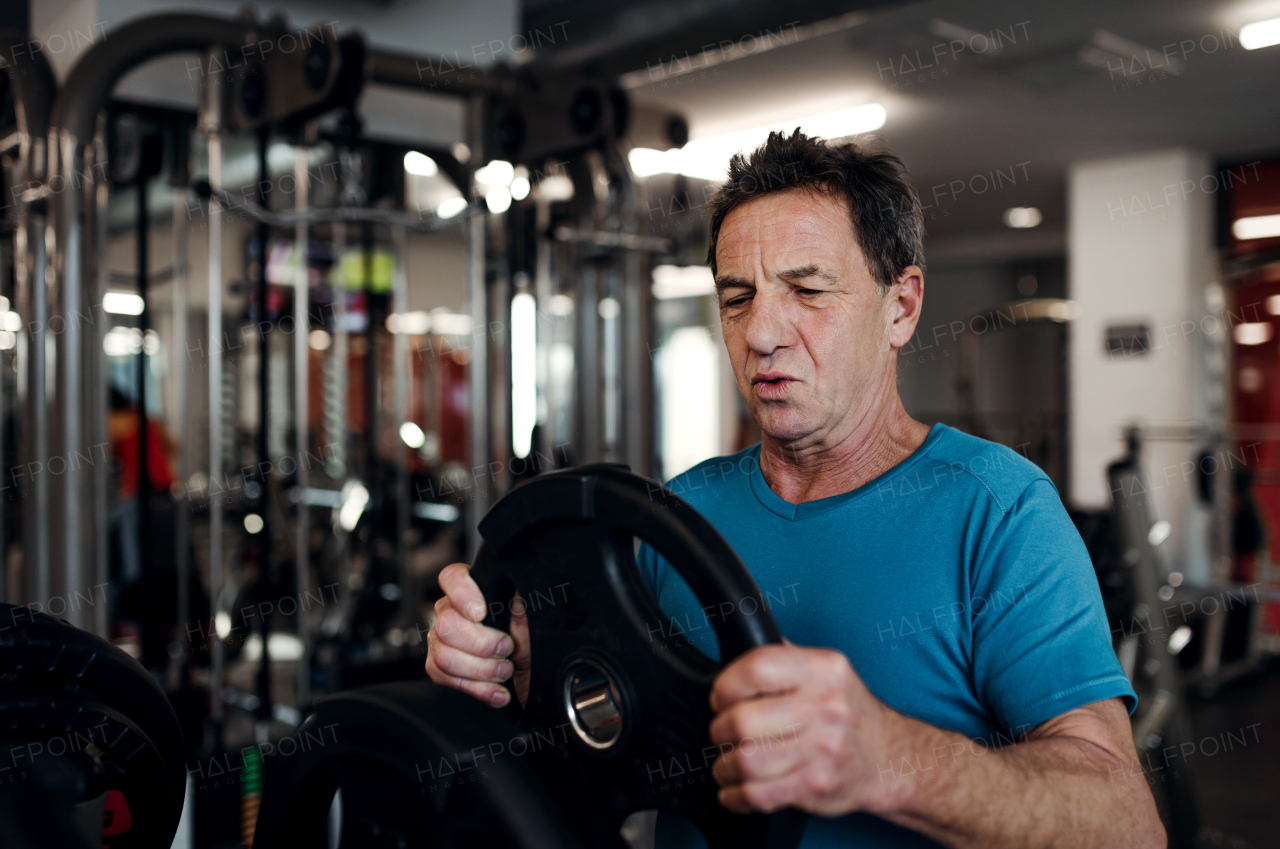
811, 341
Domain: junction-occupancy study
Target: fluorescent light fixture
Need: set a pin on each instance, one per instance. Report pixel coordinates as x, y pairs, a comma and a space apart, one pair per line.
498, 199
674, 281
520, 188
1256, 227
354, 499
450, 323
555, 187
1022, 217
1252, 333
561, 305
412, 435
1179, 638
280, 646
253, 523
414, 323
436, 512
128, 341
524, 374
419, 164
496, 173
1260, 34
708, 158
122, 303
451, 207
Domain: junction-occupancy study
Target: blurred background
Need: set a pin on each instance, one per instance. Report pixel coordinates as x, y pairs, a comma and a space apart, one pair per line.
292, 293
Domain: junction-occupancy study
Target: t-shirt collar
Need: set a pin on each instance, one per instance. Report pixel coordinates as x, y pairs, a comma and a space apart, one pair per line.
796, 512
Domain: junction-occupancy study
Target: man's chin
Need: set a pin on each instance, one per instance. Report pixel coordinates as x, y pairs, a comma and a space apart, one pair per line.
785, 428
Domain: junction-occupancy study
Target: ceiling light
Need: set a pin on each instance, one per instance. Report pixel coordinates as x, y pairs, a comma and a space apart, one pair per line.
1022, 217
498, 199
354, 498
1260, 34
122, 303
1273, 304
412, 435
1256, 227
420, 164
450, 323
319, 339
1252, 333
673, 281
496, 173
451, 207
520, 188
708, 158
253, 523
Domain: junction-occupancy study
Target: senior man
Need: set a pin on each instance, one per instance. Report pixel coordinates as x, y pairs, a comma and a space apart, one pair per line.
948, 676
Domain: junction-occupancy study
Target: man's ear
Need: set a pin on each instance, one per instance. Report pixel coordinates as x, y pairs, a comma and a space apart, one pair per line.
907, 300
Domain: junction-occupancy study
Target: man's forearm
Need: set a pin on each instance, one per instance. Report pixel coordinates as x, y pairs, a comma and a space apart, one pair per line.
1058, 791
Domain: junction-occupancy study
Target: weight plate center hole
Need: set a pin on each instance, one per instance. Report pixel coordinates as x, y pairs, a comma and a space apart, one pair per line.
592, 701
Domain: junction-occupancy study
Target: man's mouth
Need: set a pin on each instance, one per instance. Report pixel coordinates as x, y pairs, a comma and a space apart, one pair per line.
769, 385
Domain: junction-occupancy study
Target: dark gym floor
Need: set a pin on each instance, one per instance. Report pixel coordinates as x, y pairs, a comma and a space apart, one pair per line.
1239, 790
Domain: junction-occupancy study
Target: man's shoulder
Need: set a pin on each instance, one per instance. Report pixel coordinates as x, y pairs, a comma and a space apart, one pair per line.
1003, 472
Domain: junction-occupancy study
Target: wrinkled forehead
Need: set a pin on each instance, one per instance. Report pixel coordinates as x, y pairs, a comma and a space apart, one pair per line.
786, 228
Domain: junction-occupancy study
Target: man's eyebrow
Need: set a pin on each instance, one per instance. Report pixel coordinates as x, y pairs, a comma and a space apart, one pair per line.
727, 280
804, 271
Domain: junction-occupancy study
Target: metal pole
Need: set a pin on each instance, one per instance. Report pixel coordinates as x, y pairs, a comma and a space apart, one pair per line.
38, 394
400, 355
69, 401
215, 417
143, 493
267, 583
301, 354
182, 523
479, 308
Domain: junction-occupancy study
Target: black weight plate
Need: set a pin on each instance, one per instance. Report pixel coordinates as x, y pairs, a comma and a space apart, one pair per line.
419, 766
565, 542
38, 724
43, 653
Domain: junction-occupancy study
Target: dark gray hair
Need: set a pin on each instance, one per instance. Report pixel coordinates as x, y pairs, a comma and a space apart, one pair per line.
887, 220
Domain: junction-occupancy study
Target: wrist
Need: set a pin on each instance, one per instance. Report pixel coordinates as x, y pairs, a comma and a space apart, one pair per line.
905, 767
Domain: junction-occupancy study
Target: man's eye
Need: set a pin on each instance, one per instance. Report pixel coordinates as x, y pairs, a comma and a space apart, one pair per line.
809, 291
737, 302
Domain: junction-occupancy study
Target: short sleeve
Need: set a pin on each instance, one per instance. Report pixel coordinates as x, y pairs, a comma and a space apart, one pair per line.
1041, 645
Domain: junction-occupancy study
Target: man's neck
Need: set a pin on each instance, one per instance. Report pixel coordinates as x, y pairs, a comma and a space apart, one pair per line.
872, 447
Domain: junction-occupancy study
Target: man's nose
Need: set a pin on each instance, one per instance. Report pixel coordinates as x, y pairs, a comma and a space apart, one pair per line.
768, 325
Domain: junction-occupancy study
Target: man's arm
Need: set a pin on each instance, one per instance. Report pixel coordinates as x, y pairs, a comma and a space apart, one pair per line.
1074, 781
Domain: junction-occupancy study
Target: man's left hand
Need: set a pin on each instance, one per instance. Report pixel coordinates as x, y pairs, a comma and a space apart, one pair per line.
798, 728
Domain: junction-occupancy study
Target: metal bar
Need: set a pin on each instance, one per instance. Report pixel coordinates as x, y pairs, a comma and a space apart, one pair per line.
143, 493
400, 363
423, 221
182, 523
215, 421
39, 397
435, 75
267, 582
478, 306
301, 361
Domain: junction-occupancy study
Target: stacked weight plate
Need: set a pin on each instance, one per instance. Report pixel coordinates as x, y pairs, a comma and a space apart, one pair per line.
91, 752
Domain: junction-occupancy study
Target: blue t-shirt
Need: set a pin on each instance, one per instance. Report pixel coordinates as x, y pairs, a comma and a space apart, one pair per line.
955, 583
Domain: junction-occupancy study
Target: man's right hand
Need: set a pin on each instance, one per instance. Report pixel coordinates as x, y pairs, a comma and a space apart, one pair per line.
468, 656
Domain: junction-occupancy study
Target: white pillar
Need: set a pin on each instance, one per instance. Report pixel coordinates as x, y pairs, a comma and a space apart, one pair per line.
1140, 252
